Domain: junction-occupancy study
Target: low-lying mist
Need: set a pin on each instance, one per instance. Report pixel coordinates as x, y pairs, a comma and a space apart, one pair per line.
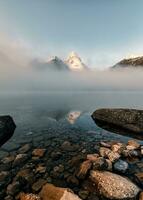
17, 73
29, 79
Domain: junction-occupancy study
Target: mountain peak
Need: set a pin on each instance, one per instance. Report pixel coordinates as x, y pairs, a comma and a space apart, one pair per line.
54, 59
74, 62
73, 54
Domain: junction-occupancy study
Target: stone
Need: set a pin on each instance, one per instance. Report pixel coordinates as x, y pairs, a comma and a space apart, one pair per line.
118, 147
131, 153
139, 177
50, 192
38, 152
9, 197
141, 196
73, 180
40, 169
76, 160
133, 145
4, 175
100, 164
56, 155
26, 174
128, 122
113, 186
109, 165
11, 146
92, 157
20, 159
105, 144
104, 152
134, 153
84, 168
121, 166
113, 156
38, 185
8, 159
59, 168
83, 194
67, 146
24, 196
13, 188
7, 128
25, 148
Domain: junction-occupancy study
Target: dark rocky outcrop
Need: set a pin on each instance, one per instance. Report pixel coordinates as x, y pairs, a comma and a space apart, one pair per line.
130, 62
7, 127
127, 122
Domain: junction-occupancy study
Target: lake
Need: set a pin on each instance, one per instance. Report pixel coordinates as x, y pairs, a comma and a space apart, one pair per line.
40, 113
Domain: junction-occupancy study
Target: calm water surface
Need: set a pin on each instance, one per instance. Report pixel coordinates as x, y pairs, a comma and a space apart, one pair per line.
36, 112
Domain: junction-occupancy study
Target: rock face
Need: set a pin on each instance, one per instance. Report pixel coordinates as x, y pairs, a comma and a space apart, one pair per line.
50, 192
123, 121
7, 127
113, 186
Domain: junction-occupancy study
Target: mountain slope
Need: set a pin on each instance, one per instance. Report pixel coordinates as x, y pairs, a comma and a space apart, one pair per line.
53, 64
130, 62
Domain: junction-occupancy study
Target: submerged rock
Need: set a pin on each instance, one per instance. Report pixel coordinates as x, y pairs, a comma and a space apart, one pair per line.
7, 127
121, 166
39, 152
113, 186
84, 168
123, 121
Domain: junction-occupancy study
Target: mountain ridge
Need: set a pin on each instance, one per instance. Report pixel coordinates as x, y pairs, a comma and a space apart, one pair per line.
72, 63
130, 62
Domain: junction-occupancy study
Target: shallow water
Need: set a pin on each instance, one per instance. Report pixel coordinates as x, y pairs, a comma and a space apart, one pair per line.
37, 113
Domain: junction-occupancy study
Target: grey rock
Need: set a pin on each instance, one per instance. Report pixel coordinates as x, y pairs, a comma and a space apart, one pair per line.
121, 166
127, 122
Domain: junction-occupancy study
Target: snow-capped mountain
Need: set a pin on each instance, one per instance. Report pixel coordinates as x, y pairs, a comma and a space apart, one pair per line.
130, 62
74, 62
54, 63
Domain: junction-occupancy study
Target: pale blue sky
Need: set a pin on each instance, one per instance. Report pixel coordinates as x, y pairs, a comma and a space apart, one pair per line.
101, 31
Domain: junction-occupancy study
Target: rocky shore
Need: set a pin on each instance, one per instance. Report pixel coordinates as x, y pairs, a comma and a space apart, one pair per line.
75, 166
54, 169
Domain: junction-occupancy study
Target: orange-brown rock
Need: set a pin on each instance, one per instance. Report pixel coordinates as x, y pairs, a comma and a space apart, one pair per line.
50, 192
24, 196
92, 157
38, 152
141, 196
84, 168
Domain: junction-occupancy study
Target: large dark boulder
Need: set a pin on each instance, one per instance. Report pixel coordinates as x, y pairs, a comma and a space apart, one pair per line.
7, 127
127, 122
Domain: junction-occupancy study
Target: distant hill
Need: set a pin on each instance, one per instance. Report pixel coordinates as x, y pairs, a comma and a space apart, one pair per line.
130, 62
